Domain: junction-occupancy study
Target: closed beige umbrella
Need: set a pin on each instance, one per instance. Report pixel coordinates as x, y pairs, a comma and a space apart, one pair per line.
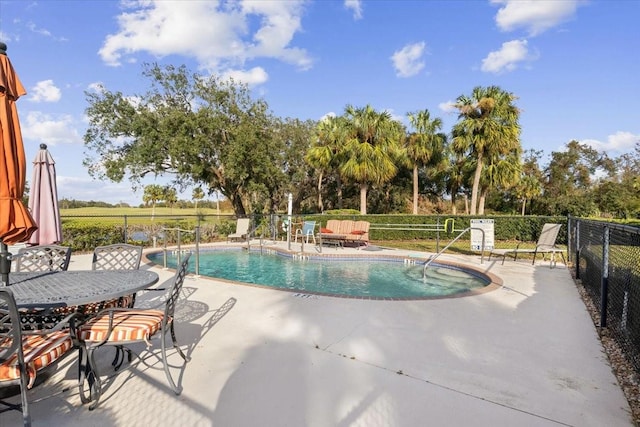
43, 200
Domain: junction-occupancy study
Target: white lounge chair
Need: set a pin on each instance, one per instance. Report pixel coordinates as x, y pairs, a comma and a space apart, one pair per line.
242, 229
546, 244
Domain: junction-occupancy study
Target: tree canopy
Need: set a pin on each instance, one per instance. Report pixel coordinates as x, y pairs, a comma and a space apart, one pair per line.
213, 135
201, 130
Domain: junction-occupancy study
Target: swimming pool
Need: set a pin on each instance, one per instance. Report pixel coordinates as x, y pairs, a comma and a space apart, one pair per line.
355, 277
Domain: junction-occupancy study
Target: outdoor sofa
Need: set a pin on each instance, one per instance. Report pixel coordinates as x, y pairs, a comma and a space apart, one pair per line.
345, 231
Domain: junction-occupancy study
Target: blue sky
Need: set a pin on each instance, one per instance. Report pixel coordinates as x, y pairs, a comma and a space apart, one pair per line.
574, 65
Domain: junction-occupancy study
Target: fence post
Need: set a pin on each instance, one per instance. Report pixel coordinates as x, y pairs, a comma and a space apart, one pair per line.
438, 232
179, 254
197, 250
126, 235
577, 249
164, 247
604, 283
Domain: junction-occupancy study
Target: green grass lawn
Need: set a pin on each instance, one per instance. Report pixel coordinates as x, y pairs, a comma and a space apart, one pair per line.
121, 211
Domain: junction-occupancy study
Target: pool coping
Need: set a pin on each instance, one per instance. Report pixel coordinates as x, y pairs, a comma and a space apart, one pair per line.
495, 282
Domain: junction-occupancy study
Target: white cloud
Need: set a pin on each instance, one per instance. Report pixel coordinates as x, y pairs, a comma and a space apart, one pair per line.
394, 116
219, 35
507, 58
42, 128
408, 60
5, 37
326, 116
97, 87
43, 32
355, 6
448, 106
620, 142
252, 77
535, 16
45, 91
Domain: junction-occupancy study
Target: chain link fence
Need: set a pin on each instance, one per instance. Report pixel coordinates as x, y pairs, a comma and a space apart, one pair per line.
606, 257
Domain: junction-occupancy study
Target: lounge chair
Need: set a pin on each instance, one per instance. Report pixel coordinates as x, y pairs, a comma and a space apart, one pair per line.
546, 244
307, 230
242, 229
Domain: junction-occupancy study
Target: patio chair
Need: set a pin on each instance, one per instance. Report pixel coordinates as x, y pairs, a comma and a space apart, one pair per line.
43, 258
307, 230
546, 244
119, 256
19, 364
119, 326
242, 229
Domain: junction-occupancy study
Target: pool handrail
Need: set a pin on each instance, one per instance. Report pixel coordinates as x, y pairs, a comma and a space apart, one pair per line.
433, 257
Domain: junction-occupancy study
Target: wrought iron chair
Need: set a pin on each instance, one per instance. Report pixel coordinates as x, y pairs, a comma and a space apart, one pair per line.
118, 256
43, 258
119, 326
23, 354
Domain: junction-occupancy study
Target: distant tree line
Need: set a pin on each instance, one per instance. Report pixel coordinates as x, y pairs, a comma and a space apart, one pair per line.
211, 134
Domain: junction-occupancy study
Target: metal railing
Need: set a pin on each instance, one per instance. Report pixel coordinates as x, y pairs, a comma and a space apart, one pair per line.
178, 250
606, 258
462, 232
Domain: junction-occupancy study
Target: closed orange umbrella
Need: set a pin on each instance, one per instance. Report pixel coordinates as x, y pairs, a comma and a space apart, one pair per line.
16, 224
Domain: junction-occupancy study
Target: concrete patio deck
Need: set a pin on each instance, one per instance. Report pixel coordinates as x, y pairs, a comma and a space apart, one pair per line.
526, 354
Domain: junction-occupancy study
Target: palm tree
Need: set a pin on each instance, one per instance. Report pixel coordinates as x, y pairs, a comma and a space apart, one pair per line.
325, 150
372, 148
530, 184
152, 194
528, 188
422, 145
502, 172
487, 128
197, 194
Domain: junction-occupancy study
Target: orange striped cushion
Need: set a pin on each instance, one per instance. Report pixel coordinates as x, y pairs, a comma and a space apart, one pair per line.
130, 325
39, 352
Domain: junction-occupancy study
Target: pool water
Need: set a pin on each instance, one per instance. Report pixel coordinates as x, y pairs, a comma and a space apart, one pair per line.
352, 277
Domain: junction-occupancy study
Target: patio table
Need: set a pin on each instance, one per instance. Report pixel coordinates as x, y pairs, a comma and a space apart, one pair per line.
51, 290
76, 288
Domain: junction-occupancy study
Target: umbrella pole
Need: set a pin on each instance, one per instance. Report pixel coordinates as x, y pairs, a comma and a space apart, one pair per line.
5, 263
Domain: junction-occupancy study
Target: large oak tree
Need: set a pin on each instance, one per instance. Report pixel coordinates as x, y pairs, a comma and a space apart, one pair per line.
201, 130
